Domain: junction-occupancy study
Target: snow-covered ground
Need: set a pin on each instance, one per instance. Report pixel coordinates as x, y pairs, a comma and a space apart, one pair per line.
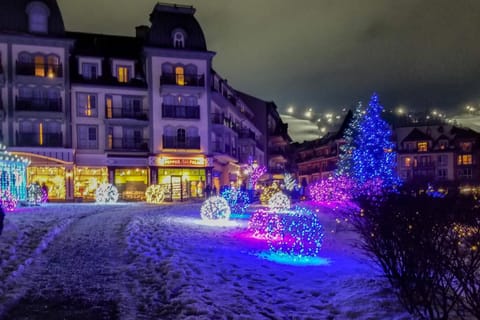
140, 261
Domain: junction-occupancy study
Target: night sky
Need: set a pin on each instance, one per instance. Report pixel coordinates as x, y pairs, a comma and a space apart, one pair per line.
325, 54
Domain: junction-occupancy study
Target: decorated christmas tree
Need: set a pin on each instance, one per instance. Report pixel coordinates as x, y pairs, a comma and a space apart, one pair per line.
368, 156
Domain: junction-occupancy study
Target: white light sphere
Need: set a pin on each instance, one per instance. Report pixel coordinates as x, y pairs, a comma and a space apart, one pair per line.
155, 194
279, 201
106, 193
215, 208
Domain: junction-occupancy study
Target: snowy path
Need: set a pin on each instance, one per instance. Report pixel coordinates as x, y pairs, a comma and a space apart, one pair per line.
145, 262
81, 273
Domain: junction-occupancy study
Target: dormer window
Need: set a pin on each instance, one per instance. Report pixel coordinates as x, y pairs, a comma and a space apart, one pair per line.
38, 14
422, 146
123, 70
178, 39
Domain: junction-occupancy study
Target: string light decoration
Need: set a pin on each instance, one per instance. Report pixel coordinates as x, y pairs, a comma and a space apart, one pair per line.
268, 192
238, 200
215, 209
289, 181
331, 189
155, 194
368, 153
468, 237
9, 202
106, 193
254, 172
34, 194
265, 225
302, 234
279, 201
13, 174
431, 192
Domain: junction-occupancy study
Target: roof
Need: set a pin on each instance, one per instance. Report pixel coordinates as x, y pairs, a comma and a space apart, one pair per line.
416, 135
14, 18
167, 18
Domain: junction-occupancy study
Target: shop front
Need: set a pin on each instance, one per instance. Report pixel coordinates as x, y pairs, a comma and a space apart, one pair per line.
53, 177
131, 183
181, 178
87, 180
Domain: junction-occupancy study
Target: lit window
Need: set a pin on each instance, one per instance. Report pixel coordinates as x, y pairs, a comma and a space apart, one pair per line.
407, 162
39, 66
52, 67
464, 159
122, 74
180, 76
422, 146
87, 105
110, 138
109, 106
40, 134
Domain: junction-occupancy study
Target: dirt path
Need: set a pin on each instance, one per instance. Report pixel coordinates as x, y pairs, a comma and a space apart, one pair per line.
81, 274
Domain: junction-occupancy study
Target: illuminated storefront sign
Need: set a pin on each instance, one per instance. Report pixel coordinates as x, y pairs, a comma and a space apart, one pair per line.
180, 162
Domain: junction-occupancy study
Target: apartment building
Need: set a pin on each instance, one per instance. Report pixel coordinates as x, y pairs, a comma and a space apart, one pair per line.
90, 108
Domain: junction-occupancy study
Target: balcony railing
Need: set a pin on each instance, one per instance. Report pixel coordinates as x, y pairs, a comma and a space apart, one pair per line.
173, 142
128, 144
246, 134
189, 80
33, 139
126, 113
219, 147
39, 69
218, 118
180, 112
36, 104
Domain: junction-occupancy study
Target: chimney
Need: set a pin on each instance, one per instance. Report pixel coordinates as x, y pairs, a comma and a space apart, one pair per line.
142, 32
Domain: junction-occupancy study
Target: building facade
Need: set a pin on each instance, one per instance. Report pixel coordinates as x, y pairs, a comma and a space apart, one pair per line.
90, 108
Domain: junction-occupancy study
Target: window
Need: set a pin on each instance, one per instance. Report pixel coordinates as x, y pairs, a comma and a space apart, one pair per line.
123, 74
464, 159
178, 40
466, 146
181, 136
53, 63
422, 146
443, 144
406, 161
38, 14
87, 137
39, 61
87, 105
442, 174
89, 70
442, 160
132, 104
109, 106
180, 76
110, 138
465, 173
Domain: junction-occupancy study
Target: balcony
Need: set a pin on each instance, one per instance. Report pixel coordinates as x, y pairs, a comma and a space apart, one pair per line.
188, 80
38, 104
220, 119
42, 70
246, 134
180, 112
128, 144
126, 113
224, 149
173, 142
33, 139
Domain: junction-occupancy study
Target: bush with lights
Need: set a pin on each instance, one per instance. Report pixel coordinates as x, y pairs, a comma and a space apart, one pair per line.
279, 202
238, 200
215, 209
268, 192
34, 194
155, 194
266, 225
106, 193
9, 202
331, 189
302, 234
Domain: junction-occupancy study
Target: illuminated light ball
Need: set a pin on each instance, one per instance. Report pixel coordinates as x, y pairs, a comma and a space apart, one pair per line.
155, 194
34, 193
215, 208
9, 202
279, 201
302, 234
268, 192
265, 224
237, 200
106, 193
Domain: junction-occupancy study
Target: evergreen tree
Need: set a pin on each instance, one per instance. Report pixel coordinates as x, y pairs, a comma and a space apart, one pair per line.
368, 156
345, 166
